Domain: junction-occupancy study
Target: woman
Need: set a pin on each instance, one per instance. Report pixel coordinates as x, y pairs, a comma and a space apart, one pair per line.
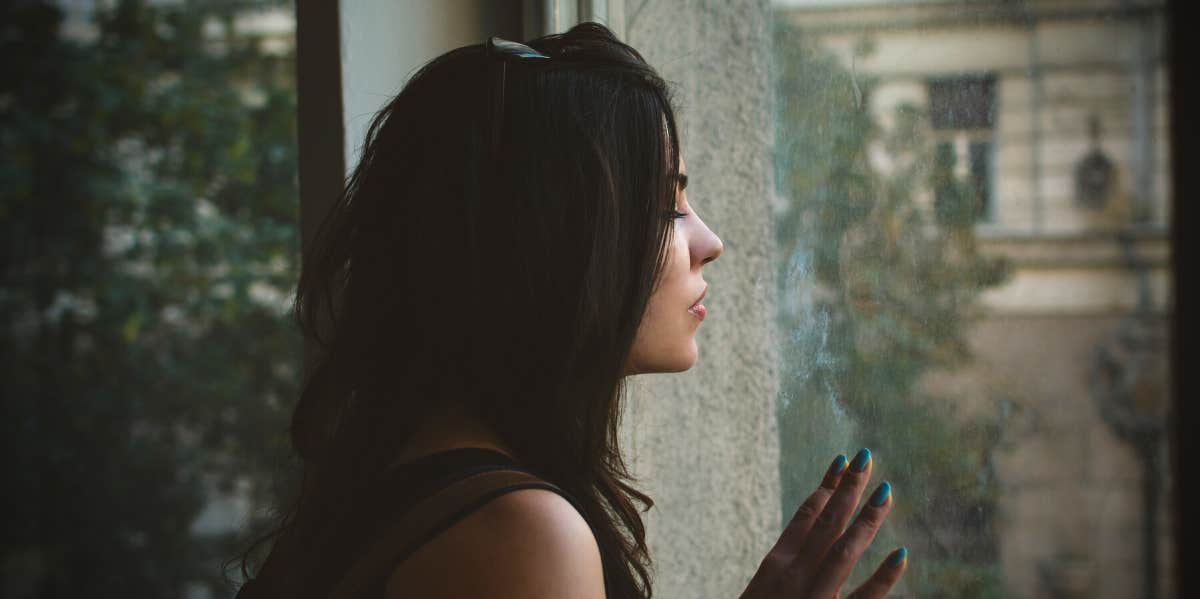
515, 241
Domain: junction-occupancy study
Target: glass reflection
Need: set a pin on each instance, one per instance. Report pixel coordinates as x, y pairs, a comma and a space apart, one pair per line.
974, 275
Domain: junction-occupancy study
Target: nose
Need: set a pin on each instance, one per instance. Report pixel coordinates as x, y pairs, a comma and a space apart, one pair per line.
709, 246
718, 247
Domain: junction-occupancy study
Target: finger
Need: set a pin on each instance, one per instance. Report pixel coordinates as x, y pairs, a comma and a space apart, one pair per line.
792, 538
806, 515
844, 553
885, 577
831, 522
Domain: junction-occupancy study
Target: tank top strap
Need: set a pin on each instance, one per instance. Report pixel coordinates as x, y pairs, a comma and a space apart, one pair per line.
437, 491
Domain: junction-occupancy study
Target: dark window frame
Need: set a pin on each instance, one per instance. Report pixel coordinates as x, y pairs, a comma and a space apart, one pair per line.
1183, 135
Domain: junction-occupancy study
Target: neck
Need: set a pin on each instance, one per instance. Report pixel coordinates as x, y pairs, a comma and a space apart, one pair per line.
451, 428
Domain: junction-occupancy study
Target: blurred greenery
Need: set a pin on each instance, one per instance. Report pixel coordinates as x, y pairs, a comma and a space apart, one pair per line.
876, 290
148, 216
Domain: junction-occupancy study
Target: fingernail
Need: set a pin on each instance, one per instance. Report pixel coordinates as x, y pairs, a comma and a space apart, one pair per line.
881, 494
838, 465
897, 558
861, 460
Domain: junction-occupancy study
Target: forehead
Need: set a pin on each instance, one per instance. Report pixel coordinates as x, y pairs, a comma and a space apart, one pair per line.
682, 168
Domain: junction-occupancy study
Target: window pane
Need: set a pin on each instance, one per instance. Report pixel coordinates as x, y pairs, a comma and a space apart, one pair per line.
973, 263
964, 102
149, 223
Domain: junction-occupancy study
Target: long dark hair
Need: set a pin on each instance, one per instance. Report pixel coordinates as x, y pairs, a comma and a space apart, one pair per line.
514, 287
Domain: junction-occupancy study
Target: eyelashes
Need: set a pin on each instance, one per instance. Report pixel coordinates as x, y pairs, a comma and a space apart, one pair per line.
675, 214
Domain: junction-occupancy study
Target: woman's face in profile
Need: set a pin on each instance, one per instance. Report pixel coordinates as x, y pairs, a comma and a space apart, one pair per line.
666, 338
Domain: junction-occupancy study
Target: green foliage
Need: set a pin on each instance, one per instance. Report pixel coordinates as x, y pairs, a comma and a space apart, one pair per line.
877, 289
149, 209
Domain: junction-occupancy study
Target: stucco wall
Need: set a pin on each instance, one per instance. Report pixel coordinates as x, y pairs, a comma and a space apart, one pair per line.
705, 442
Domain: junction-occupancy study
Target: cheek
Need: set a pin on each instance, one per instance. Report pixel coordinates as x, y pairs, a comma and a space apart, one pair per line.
666, 338
672, 297
677, 264
672, 285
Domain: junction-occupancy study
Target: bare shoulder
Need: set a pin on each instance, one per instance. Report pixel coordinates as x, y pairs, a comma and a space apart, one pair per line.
528, 543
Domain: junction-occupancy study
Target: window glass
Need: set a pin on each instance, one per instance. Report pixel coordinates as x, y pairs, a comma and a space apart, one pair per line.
149, 222
973, 270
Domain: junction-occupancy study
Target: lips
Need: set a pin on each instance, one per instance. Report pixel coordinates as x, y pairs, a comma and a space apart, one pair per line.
697, 308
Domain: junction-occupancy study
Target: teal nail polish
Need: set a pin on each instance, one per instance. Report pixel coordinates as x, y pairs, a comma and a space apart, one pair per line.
897, 558
860, 461
881, 494
839, 464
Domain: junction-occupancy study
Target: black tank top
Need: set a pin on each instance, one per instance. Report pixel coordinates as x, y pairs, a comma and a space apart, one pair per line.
426, 475
402, 487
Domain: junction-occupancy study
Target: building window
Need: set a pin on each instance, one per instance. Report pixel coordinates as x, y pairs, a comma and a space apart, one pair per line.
962, 103
962, 113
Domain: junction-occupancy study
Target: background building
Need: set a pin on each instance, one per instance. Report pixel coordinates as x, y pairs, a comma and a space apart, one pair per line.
1055, 113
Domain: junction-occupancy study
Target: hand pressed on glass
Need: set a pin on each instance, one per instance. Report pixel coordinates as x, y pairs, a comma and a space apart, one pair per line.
816, 552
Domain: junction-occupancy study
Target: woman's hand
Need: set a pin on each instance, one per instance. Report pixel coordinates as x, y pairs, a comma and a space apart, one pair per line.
816, 552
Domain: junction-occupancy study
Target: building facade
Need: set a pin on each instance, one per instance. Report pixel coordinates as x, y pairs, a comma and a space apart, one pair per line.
1055, 112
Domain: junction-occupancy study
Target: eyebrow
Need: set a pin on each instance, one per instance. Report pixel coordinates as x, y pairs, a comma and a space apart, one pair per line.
683, 180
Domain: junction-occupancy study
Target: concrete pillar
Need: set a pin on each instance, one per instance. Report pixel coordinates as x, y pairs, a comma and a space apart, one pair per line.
705, 443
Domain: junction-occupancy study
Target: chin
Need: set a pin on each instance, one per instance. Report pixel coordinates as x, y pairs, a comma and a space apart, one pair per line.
686, 362
667, 362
